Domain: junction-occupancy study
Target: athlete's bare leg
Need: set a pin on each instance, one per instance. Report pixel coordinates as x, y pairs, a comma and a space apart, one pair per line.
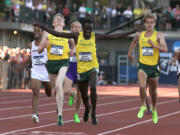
78, 101
142, 77
35, 85
153, 83
67, 86
59, 89
47, 88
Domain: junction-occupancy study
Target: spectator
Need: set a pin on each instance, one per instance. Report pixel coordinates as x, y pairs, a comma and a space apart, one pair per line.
113, 16
59, 9
66, 14
176, 13
29, 4
128, 14
137, 13
97, 18
82, 13
74, 13
104, 17
119, 14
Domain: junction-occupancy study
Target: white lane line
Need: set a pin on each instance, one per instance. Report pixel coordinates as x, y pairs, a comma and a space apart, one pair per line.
138, 123
69, 109
45, 98
99, 115
43, 105
24, 100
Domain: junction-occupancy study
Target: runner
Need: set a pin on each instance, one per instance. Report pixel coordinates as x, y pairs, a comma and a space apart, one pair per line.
176, 61
39, 74
150, 43
71, 76
58, 60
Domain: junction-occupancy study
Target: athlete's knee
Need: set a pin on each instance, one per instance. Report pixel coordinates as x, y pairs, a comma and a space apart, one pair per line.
93, 92
35, 92
142, 87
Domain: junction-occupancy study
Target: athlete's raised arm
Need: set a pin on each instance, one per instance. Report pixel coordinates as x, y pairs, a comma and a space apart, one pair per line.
113, 36
58, 34
44, 42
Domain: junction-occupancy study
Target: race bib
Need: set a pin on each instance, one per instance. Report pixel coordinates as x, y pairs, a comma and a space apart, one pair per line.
56, 50
38, 60
147, 51
73, 59
85, 56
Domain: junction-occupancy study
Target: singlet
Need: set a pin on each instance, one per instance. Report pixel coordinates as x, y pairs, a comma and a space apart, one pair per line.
147, 54
38, 59
58, 48
86, 53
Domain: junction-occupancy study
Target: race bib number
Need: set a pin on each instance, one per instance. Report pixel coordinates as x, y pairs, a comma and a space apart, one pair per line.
38, 60
56, 50
147, 51
85, 56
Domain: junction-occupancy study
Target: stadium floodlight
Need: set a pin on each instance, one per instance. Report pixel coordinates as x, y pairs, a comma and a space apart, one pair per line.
15, 32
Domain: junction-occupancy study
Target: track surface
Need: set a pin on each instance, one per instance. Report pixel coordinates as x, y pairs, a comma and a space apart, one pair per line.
116, 112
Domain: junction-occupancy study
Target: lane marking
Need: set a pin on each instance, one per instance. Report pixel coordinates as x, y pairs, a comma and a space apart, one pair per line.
44, 105
138, 123
68, 109
99, 115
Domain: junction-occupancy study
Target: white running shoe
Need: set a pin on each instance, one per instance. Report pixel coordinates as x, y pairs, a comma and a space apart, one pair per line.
35, 118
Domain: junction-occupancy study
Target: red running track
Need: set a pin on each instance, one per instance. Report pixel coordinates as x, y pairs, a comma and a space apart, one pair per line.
116, 112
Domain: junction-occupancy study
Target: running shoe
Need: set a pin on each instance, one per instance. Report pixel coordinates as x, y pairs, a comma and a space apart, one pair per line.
86, 114
35, 118
60, 121
141, 112
94, 120
71, 99
154, 116
76, 118
149, 111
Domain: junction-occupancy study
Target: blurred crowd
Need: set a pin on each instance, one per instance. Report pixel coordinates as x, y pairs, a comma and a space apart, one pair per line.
103, 16
14, 68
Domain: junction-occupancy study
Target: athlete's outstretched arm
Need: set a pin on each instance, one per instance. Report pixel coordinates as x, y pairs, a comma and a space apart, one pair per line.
113, 36
132, 46
58, 34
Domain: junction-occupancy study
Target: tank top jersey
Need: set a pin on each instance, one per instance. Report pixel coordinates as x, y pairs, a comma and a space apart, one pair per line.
86, 53
58, 48
147, 54
38, 59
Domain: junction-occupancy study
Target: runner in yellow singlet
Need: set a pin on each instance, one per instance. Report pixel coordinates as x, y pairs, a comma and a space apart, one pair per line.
87, 64
58, 60
150, 43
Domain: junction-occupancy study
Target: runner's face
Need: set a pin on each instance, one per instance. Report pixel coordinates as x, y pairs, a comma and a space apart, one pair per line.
37, 32
58, 21
149, 24
76, 27
87, 28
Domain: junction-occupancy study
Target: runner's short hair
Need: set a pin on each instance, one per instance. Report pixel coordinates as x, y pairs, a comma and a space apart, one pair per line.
58, 15
150, 15
74, 23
